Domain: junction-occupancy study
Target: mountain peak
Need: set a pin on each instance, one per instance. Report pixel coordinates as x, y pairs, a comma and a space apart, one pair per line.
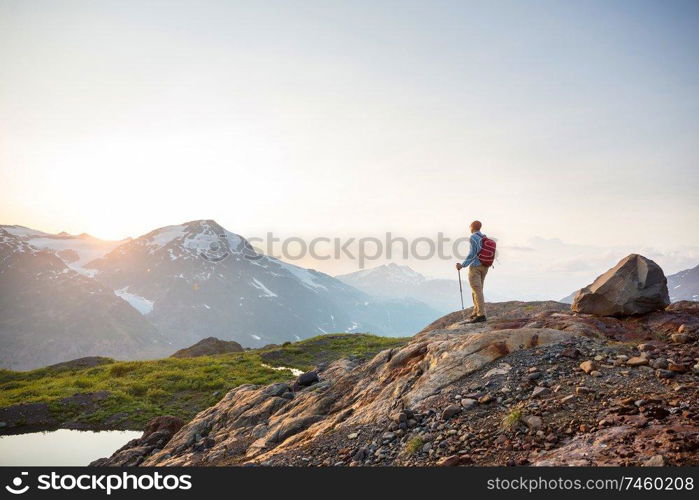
205, 223
392, 272
193, 237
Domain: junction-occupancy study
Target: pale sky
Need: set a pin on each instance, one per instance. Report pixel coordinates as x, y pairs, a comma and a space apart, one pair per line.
577, 121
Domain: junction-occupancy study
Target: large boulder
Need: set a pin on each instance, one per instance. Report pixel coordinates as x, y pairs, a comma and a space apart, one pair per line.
636, 285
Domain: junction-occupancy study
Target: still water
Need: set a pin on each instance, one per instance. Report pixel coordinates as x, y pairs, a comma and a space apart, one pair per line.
61, 447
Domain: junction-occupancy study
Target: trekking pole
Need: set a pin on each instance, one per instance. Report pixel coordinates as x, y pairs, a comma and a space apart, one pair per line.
461, 291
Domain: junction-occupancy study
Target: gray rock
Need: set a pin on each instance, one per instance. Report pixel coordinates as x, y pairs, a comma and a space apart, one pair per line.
533, 422
306, 379
399, 417
360, 455
277, 389
655, 461
468, 403
659, 363
636, 285
540, 391
450, 411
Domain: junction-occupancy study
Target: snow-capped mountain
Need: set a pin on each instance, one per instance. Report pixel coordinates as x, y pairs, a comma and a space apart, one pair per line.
74, 250
684, 285
50, 312
385, 280
67, 296
400, 282
198, 280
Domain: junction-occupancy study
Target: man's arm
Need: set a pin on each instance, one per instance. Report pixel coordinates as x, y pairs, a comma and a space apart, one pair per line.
472, 252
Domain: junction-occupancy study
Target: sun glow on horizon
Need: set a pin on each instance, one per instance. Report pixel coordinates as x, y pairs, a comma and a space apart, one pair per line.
538, 120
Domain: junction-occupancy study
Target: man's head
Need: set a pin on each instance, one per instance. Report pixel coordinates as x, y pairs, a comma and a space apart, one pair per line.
475, 226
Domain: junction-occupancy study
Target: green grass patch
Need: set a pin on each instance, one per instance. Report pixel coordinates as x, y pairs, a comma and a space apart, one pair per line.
308, 353
512, 419
141, 390
414, 445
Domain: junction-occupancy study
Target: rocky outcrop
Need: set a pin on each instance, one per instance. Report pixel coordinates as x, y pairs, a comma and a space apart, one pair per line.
252, 423
511, 311
208, 347
615, 445
156, 435
512, 391
636, 285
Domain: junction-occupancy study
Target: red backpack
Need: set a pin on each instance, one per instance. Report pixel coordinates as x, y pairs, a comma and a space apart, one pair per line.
487, 253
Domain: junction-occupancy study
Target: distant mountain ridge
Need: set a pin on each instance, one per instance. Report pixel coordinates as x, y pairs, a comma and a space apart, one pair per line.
74, 250
402, 282
180, 284
684, 285
203, 281
50, 312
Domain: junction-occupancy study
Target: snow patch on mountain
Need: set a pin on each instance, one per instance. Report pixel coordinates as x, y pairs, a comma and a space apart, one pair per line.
163, 236
266, 291
74, 251
141, 304
24, 232
393, 272
203, 238
305, 275
684, 285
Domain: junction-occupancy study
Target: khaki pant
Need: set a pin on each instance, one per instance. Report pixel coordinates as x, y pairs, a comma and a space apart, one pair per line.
476, 277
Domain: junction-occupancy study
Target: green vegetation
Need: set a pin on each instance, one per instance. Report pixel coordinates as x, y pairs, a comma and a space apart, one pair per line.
140, 390
308, 353
414, 445
512, 419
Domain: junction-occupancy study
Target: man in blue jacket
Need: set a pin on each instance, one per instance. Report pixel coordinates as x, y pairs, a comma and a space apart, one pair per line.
476, 273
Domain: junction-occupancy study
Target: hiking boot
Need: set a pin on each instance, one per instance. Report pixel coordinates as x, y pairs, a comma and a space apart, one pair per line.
478, 319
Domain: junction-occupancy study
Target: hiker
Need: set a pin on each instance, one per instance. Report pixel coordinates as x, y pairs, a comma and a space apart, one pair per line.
479, 259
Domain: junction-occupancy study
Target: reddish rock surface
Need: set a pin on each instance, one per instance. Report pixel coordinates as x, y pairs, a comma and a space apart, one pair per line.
508, 392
